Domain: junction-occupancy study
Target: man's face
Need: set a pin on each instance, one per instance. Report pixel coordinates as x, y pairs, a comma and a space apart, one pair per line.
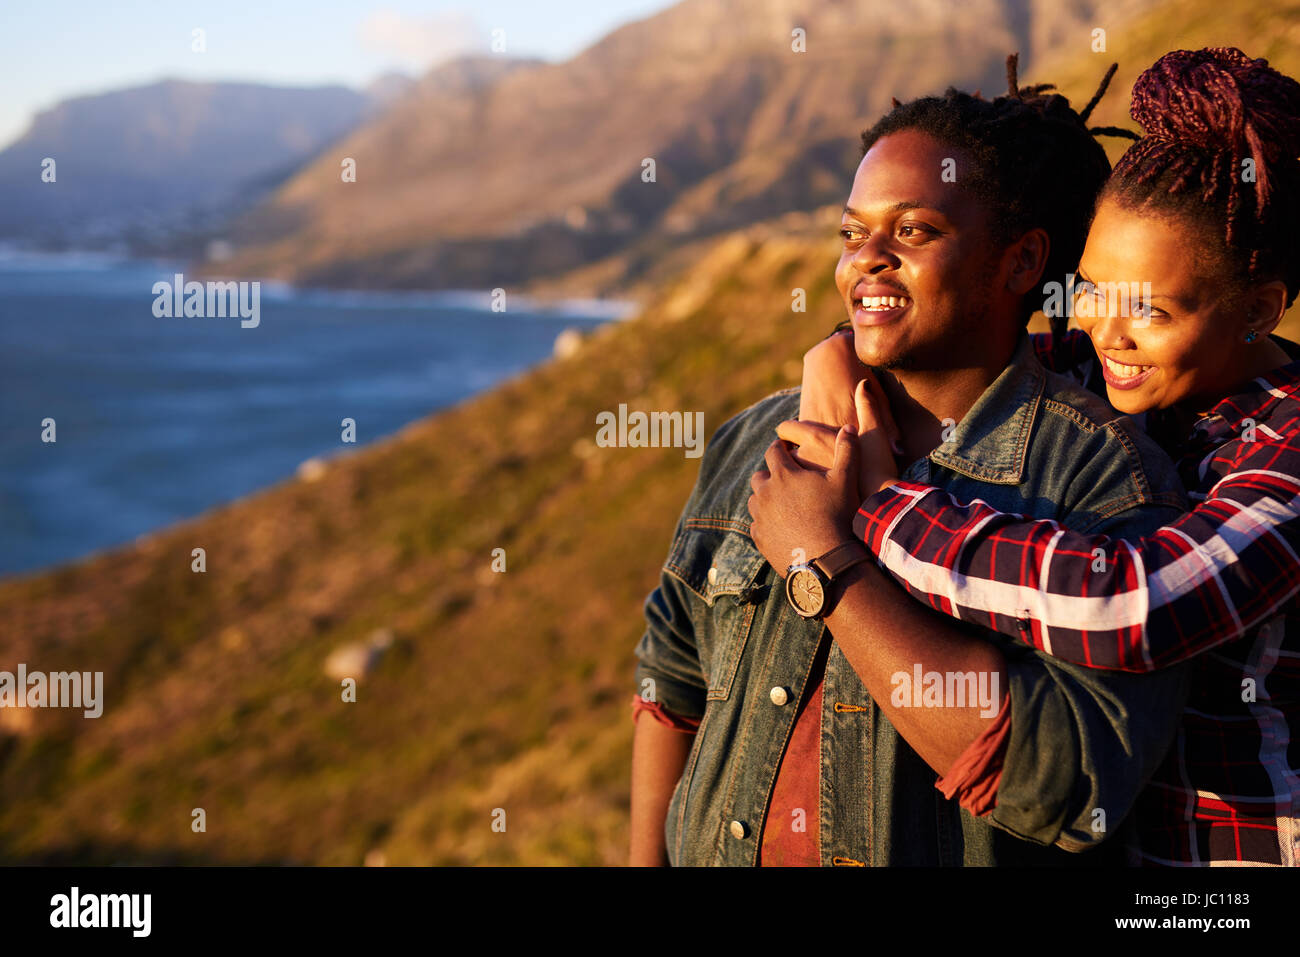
924, 242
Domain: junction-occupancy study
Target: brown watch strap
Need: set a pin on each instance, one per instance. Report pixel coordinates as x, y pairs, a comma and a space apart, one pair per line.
841, 558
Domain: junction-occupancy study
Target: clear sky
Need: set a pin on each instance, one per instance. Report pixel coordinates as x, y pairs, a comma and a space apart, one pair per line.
53, 49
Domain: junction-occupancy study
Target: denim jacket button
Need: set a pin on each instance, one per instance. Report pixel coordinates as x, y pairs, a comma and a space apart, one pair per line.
713, 575
739, 830
779, 696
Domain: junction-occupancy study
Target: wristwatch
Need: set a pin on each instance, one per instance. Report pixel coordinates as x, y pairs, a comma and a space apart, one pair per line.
807, 584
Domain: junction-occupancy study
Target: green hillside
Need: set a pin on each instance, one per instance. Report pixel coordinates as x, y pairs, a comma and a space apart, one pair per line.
1270, 30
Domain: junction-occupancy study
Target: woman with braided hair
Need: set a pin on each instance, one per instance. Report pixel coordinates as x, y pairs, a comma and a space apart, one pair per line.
1200, 214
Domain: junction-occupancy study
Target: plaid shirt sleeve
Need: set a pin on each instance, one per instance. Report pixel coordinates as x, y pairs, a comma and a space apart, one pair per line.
1208, 578
1074, 349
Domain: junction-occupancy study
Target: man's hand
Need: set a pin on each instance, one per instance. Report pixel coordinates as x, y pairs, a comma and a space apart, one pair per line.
877, 440
804, 512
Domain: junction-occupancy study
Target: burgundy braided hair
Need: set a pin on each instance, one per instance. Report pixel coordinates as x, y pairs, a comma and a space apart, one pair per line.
1205, 112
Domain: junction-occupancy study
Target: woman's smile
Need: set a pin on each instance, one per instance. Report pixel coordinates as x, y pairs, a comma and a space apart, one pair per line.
1120, 375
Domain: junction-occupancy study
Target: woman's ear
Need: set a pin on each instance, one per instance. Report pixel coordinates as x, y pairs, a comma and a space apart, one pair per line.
1265, 307
1027, 258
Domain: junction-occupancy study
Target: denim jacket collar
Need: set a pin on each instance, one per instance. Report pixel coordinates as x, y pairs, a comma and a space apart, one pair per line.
990, 442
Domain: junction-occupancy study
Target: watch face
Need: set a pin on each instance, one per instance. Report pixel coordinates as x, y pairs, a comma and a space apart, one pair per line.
805, 591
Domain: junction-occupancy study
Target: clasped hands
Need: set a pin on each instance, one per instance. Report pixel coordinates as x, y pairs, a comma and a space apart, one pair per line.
822, 466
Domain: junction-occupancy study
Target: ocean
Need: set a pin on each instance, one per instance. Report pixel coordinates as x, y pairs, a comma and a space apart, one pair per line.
157, 419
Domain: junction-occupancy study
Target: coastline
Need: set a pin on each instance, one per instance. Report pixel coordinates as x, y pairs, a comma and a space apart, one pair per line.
162, 418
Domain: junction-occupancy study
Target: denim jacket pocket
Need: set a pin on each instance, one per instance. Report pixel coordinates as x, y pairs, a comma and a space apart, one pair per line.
717, 561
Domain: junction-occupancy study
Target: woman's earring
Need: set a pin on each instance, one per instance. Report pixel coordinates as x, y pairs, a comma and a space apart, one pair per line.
1252, 336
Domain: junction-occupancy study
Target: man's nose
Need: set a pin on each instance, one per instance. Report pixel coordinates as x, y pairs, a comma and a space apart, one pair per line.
876, 254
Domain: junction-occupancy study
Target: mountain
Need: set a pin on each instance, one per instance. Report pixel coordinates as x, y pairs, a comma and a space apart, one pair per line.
389, 88
541, 170
140, 164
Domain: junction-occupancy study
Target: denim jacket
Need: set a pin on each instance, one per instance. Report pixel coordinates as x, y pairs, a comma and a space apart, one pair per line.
721, 638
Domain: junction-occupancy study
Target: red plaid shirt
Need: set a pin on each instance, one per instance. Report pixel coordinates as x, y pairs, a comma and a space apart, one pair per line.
1219, 587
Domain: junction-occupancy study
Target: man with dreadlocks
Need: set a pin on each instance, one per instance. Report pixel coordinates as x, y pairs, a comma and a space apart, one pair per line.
803, 721
1203, 208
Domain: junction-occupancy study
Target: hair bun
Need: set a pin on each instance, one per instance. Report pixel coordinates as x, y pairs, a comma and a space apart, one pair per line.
1220, 99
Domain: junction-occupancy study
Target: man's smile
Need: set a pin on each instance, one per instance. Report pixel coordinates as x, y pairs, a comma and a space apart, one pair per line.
875, 305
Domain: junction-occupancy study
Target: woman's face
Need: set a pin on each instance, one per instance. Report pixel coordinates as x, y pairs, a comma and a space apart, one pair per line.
1181, 337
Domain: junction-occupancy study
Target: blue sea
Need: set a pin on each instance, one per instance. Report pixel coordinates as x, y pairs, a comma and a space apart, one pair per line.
159, 419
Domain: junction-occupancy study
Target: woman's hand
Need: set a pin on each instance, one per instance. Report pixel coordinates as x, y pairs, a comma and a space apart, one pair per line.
877, 440
830, 370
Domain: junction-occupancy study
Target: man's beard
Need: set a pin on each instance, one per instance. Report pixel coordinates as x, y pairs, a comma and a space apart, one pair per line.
906, 361
903, 363
931, 357
974, 322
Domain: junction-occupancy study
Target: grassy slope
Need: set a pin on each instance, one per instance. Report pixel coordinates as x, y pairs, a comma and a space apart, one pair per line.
1270, 30
504, 690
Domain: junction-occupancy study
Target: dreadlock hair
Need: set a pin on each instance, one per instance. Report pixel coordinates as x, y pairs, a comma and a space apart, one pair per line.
1034, 163
1212, 117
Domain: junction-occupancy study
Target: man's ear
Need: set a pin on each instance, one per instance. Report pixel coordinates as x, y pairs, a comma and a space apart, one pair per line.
1026, 259
1265, 306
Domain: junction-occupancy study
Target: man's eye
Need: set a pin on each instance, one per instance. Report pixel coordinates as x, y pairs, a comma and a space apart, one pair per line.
914, 229
848, 233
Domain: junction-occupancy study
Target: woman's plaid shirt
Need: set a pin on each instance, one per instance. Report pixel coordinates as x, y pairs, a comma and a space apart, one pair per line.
1218, 587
